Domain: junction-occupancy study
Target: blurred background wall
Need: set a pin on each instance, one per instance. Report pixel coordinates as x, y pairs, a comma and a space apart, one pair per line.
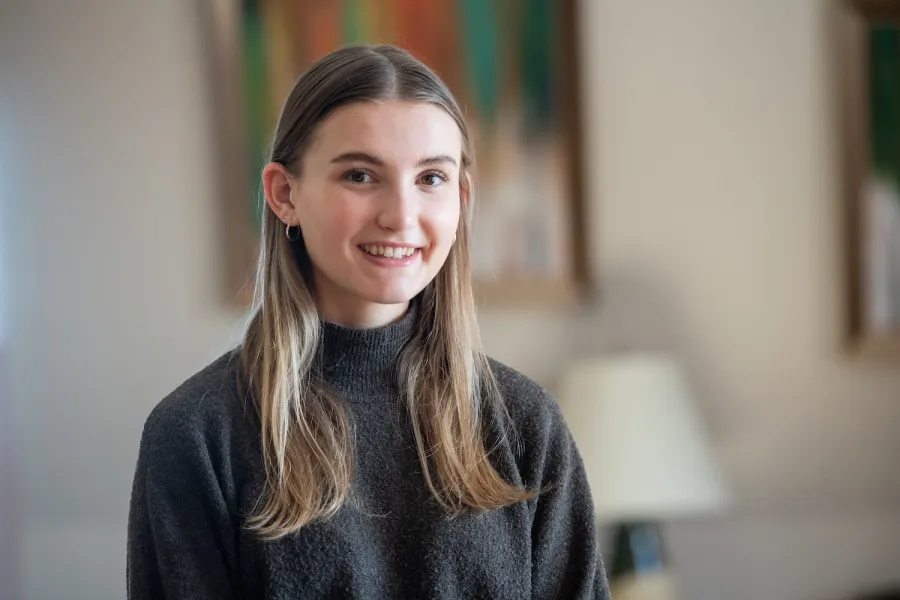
715, 231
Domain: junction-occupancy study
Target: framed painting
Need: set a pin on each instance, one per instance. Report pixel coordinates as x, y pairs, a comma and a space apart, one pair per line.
870, 50
512, 65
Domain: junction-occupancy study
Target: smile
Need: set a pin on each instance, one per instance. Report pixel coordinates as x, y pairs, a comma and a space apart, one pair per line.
392, 252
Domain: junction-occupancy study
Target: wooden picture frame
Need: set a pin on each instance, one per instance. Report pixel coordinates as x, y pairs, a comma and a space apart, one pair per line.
869, 55
529, 235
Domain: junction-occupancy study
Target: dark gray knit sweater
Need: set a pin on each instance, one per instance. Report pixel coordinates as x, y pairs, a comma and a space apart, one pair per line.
199, 474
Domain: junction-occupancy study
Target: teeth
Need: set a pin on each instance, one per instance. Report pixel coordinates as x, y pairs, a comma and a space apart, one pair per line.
388, 251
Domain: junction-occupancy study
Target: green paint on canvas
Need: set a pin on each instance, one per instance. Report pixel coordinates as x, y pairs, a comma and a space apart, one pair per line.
884, 121
480, 35
256, 100
537, 44
353, 22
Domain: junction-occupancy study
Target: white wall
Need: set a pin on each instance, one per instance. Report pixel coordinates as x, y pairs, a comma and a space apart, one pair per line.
111, 231
714, 209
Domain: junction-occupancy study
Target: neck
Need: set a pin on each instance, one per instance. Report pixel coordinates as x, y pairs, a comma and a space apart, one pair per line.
356, 313
368, 317
364, 357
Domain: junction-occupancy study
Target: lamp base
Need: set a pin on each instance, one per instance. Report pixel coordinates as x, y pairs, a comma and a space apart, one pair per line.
649, 586
639, 567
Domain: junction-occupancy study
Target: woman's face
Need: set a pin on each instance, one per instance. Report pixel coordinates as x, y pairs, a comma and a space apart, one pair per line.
378, 201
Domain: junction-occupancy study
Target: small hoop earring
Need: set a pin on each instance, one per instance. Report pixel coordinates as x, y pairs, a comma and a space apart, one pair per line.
287, 232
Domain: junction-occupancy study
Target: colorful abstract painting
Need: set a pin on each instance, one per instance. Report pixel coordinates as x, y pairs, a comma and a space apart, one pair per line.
509, 65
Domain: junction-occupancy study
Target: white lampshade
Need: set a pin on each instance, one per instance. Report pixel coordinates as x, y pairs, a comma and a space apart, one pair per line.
644, 449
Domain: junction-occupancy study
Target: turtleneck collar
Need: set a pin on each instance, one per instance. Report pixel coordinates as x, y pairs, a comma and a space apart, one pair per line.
353, 356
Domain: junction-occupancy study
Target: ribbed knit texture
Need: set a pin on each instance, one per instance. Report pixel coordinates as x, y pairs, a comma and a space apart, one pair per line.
199, 475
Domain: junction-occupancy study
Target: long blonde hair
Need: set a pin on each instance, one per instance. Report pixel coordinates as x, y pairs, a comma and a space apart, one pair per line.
443, 376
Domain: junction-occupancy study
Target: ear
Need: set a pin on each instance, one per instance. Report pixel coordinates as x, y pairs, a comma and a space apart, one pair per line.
465, 189
277, 184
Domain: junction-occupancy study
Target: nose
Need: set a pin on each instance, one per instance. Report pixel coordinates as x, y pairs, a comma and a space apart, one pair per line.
399, 210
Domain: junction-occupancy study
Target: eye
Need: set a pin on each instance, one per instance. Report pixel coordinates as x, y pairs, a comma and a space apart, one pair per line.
433, 178
358, 176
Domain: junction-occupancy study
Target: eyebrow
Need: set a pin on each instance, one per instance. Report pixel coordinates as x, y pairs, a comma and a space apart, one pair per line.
374, 160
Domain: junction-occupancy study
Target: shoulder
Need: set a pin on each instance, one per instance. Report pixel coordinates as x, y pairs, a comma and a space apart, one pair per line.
201, 409
543, 442
194, 446
531, 407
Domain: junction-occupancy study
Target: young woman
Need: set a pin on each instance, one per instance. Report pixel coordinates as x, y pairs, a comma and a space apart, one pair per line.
359, 444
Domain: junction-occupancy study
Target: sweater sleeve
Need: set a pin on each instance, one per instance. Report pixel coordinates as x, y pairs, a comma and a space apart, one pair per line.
566, 560
181, 539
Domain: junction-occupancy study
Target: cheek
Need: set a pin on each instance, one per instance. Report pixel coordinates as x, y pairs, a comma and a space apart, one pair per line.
332, 220
443, 220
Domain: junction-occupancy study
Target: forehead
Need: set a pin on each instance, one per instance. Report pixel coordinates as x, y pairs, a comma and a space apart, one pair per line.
393, 130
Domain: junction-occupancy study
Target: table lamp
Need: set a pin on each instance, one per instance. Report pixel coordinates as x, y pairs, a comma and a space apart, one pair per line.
647, 459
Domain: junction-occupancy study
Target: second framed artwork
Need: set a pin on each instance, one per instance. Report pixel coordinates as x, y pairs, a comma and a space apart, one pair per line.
870, 52
513, 67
